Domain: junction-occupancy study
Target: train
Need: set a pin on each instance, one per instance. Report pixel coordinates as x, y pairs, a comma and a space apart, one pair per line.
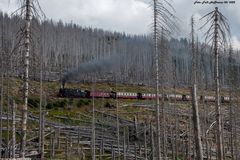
78, 93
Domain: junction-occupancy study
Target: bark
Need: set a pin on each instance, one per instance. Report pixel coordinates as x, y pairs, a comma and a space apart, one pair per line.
124, 144
195, 110
1, 107
231, 113
1, 110
118, 129
26, 76
152, 142
13, 128
145, 142
93, 127
176, 121
41, 129
136, 134
217, 88
66, 147
155, 38
8, 113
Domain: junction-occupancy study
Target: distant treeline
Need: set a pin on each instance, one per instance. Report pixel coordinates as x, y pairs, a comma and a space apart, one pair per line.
64, 47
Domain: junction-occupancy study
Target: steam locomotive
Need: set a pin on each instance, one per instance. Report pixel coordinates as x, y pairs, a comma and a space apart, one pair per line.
78, 93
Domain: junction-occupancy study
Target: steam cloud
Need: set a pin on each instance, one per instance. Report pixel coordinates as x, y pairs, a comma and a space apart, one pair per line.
95, 66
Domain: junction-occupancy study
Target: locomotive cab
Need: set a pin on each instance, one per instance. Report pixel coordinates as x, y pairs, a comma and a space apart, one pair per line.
139, 96
222, 99
165, 97
113, 95
87, 92
184, 98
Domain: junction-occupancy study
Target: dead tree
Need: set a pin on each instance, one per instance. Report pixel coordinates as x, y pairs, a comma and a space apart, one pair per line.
118, 129
8, 110
195, 110
41, 115
1, 103
26, 76
145, 141
176, 117
152, 142
93, 150
162, 19
218, 35
124, 144
232, 81
1, 110
28, 9
13, 128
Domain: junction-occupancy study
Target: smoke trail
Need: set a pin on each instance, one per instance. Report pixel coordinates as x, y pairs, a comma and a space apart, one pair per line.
95, 66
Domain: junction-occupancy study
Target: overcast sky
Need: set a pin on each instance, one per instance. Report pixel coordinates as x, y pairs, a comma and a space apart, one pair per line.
130, 16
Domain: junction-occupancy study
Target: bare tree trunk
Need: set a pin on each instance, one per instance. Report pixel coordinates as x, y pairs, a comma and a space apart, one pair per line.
195, 111
217, 89
124, 144
13, 128
145, 142
78, 142
118, 129
176, 122
93, 126
231, 125
162, 75
8, 112
152, 142
41, 129
26, 64
189, 144
52, 139
43, 126
113, 152
1, 107
1, 110
136, 134
157, 82
66, 147
59, 139
236, 150
172, 144
231, 113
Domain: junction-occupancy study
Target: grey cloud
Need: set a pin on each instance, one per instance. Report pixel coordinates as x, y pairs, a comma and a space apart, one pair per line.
130, 16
